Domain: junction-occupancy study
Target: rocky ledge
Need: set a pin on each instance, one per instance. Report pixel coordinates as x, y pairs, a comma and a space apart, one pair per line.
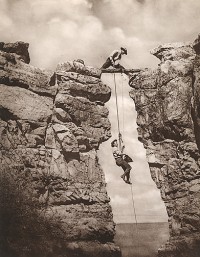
53, 197
167, 102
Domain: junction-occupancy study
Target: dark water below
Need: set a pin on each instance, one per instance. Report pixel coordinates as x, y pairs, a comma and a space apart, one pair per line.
142, 241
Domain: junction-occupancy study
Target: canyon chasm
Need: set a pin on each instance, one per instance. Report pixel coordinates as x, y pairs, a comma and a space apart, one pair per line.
53, 197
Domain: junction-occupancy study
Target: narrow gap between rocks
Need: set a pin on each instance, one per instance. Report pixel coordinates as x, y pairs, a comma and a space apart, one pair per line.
149, 206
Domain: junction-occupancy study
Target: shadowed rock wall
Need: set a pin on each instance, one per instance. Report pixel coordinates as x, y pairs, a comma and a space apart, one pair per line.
53, 198
168, 118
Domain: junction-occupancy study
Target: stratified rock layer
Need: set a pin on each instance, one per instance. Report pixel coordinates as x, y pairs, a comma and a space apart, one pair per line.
53, 198
168, 118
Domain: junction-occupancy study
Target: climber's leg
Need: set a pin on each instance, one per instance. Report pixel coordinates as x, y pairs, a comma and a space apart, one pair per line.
107, 64
127, 168
127, 174
119, 66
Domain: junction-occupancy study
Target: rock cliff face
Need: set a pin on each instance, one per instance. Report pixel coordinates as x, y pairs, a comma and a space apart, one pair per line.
53, 198
168, 117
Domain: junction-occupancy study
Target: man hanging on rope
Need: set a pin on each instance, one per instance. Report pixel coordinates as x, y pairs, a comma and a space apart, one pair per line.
114, 58
120, 159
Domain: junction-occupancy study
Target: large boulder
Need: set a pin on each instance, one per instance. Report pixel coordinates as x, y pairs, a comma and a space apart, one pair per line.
53, 199
19, 48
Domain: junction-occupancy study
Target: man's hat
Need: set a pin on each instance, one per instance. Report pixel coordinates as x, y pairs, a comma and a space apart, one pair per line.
124, 50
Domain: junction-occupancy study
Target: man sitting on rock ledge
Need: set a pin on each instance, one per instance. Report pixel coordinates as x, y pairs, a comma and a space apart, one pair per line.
114, 58
121, 161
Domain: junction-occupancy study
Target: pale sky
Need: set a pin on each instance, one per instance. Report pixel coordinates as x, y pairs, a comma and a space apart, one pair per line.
63, 30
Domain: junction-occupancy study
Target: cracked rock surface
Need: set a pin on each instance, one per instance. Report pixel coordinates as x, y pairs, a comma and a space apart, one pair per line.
167, 104
53, 194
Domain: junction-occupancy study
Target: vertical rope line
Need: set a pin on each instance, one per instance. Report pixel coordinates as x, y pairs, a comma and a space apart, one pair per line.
136, 242
134, 206
116, 100
122, 103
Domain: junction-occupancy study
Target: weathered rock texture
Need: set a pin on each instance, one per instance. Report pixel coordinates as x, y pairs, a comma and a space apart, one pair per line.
53, 200
168, 117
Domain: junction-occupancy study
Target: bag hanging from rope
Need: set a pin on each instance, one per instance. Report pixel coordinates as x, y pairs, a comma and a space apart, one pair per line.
127, 158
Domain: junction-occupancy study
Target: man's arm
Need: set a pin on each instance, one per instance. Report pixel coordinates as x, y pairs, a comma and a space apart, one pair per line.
114, 56
123, 147
112, 61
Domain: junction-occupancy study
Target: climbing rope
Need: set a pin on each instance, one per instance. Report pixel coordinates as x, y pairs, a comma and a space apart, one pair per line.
116, 100
136, 242
118, 123
133, 202
120, 139
122, 92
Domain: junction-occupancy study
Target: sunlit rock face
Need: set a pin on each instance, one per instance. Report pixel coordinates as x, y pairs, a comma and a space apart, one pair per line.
168, 117
53, 200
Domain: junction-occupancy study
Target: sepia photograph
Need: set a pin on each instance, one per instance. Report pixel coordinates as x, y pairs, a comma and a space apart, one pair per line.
100, 128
